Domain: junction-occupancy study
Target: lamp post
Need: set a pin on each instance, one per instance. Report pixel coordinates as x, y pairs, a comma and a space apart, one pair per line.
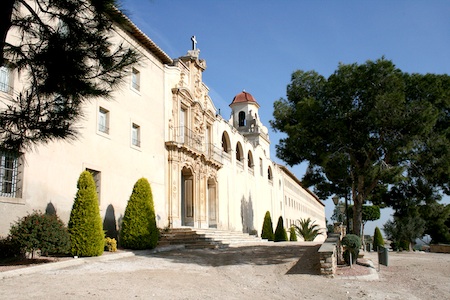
342, 209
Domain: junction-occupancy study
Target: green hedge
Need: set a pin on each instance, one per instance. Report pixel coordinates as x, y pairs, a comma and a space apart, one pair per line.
280, 232
138, 229
43, 232
267, 230
85, 225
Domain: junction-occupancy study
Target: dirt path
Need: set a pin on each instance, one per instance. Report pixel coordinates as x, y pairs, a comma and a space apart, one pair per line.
270, 271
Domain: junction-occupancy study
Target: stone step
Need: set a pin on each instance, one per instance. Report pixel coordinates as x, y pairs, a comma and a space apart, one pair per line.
194, 238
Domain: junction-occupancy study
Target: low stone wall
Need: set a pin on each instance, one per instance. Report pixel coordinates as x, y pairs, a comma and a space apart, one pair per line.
329, 254
440, 248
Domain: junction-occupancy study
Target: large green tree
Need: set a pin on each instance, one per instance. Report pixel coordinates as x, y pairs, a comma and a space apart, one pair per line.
365, 129
64, 50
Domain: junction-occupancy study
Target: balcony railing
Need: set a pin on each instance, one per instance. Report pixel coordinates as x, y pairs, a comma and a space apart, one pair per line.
194, 141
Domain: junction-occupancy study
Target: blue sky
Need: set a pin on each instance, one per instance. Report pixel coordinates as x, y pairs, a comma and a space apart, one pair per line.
256, 45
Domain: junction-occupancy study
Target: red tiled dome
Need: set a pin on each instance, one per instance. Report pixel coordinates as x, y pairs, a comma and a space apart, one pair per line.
243, 97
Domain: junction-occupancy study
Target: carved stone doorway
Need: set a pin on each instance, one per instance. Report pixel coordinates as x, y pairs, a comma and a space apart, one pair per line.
212, 203
187, 197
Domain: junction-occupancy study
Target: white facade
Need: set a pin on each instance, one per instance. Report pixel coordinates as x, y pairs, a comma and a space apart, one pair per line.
205, 172
120, 140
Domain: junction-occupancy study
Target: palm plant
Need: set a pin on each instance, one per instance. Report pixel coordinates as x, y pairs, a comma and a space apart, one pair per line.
307, 229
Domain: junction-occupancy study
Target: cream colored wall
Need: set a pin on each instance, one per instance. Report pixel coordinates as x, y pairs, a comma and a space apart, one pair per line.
51, 171
299, 204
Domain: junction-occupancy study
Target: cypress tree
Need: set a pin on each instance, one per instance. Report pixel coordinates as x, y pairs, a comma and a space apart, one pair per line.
267, 230
138, 230
85, 225
292, 234
280, 232
377, 239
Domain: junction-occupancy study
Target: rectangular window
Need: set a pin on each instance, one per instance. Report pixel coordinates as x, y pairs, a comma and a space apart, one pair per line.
9, 174
135, 79
136, 135
103, 120
4, 80
98, 180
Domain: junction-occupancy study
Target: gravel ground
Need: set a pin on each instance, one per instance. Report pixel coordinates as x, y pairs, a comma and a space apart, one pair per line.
269, 271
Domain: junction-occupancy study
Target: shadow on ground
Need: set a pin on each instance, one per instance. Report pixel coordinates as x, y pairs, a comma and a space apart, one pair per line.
305, 256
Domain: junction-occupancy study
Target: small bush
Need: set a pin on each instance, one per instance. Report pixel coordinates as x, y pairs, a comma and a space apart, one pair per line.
43, 232
85, 225
292, 234
280, 232
352, 243
9, 248
267, 230
377, 239
138, 230
110, 244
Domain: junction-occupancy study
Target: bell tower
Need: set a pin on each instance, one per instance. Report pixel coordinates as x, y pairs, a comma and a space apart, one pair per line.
245, 118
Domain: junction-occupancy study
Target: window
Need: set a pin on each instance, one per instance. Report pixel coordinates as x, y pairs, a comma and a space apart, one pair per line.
241, 118
239, 152
225, 142
136, 135
269, 174
4, 80
9, 174
97, 179
103, 120
250, 160
135, 79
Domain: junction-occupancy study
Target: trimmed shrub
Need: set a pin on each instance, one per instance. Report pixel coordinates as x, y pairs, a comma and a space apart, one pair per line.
377, 239
280, 232
352, 243
138, 230
40, 232
110, 244
267, 230
292, 234
9, 248
85, 225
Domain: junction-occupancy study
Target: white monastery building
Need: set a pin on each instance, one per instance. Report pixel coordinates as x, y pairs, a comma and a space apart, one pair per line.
205, 171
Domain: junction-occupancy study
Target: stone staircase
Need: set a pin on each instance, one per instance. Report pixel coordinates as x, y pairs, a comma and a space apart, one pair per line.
196, 238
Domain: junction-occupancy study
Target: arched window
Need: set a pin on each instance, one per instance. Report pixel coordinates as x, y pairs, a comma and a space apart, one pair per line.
239, 152
225, 142
269, 173
241, 118
250, 163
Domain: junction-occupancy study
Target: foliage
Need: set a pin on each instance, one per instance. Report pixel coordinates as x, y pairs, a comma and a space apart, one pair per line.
403, 230
64, 50
280, 233
292, 234
437, 218
377, 128
377, 239
85, 224
9, 248
138, 230
307, 229
352, 244
267, 229
40, 232
110, 244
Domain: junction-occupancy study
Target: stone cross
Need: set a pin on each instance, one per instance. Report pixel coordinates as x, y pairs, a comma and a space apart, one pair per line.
194, 42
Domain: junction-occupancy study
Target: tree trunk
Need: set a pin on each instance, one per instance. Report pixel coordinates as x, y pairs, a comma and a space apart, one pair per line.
357, 214
6, 9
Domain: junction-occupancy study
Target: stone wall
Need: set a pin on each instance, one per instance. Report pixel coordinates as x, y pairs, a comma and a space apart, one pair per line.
329, 254
440, 248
